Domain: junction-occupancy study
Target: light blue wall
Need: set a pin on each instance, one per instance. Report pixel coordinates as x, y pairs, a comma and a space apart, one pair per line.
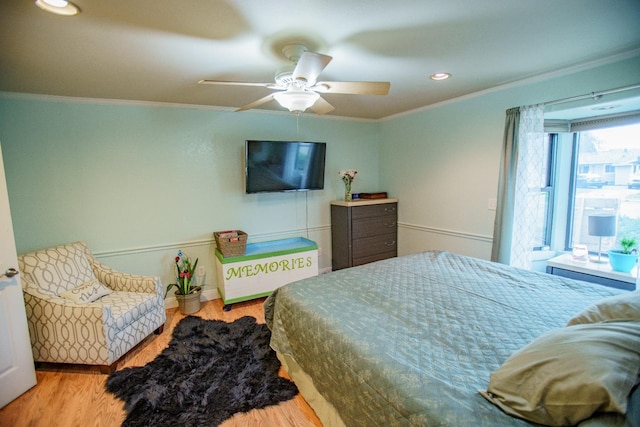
443, 162
138, 182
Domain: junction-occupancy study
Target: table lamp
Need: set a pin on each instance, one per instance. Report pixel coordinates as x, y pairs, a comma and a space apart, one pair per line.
602, 226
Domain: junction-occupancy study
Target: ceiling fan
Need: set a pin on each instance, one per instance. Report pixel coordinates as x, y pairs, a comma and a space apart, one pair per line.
297, 86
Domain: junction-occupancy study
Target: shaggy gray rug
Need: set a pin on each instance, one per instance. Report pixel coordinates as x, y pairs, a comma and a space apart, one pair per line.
210, 371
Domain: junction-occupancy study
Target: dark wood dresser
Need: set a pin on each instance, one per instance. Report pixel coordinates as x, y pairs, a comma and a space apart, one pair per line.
363, 231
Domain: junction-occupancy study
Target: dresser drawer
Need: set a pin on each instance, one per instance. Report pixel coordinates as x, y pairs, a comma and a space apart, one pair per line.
369, 246
374, 211
368, 227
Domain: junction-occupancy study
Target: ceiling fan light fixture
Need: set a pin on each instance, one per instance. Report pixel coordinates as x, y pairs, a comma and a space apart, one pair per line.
440, 76
296, 101
59, 7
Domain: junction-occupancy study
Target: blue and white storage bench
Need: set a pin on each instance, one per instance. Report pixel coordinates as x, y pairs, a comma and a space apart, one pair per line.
264, 267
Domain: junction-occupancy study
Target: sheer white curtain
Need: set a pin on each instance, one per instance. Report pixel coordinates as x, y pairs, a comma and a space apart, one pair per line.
521, 174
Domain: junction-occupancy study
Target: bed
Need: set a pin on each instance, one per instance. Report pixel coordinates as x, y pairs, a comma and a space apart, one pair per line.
410, 341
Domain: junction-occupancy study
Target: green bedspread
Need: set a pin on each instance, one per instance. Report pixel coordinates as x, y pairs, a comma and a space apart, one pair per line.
409, 341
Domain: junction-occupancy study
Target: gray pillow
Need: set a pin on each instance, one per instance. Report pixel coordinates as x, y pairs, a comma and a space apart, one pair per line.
617, 308
569, 374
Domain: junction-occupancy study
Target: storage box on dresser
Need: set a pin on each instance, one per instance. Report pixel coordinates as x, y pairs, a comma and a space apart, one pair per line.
363, 231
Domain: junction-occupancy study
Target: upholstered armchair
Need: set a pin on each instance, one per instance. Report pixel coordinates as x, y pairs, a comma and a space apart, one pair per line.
81, 311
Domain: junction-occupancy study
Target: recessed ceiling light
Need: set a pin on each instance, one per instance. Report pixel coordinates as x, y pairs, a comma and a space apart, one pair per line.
440, 76
59, 7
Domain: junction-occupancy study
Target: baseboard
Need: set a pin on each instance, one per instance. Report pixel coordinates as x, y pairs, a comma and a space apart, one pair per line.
211, 294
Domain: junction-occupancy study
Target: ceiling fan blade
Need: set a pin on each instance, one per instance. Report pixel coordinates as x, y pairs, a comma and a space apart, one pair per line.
254, 104
321, 106
231, 83
353, 88
310, 65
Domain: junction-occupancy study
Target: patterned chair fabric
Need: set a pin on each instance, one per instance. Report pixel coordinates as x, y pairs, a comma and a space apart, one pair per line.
96, 333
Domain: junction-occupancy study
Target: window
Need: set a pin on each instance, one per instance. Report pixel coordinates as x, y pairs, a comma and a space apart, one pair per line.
607, 162
545, 202
590, 170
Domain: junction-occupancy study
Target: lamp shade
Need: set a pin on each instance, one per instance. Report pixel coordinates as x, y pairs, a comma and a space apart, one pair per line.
602, 225
296, 100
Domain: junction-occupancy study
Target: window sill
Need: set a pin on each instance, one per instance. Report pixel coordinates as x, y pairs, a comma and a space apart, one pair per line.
565, 263
543, 255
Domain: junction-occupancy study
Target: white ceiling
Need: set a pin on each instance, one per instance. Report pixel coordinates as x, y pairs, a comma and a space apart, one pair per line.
157, 50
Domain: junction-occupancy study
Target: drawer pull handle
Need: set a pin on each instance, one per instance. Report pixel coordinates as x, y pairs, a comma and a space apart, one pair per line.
392, 225
389, 209
390, 243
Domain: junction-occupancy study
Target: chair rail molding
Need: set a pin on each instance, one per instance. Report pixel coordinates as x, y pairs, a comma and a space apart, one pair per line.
447, 232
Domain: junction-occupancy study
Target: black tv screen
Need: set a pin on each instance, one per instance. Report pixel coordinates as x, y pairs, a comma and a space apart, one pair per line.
275, 166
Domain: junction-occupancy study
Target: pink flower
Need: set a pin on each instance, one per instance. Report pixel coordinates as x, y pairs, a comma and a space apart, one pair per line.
348, 175
184, 273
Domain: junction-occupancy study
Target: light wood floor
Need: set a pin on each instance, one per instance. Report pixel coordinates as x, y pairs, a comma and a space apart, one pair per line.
75, 395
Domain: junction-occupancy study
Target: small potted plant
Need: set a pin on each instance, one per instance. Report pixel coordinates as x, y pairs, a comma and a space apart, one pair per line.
624, 259
188, 293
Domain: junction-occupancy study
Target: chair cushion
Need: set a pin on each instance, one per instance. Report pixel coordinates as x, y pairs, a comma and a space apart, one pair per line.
129, 307
58, 269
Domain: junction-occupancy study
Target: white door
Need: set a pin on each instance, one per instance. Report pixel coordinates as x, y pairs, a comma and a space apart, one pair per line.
17, 373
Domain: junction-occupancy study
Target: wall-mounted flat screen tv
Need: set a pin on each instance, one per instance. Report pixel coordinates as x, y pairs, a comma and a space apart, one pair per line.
276, 166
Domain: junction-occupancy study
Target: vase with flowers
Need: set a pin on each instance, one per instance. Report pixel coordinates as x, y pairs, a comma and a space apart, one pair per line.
347, 177
188, 293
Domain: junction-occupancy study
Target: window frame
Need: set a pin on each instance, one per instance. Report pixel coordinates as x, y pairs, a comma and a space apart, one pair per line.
559, 220
549, 189
573, 179
571, 201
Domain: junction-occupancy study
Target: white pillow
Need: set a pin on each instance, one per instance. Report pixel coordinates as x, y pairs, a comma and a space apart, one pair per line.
87, 292
568, 374
618, 308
